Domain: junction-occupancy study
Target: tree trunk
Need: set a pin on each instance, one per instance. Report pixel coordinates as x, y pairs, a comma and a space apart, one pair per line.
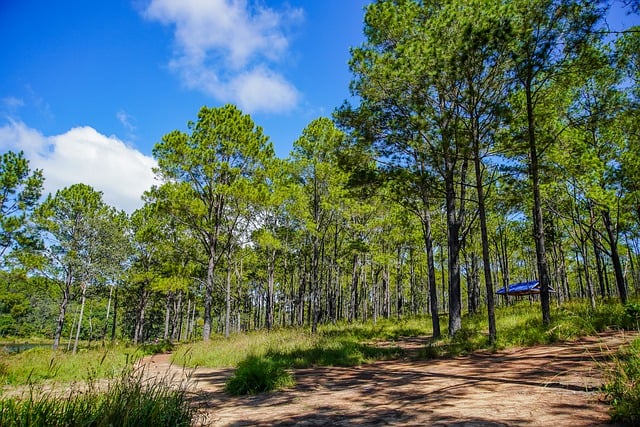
176, 322
473, 284
84, 299
106, 320
115, 315
139, 328
66, 291
227, 301
454, 246
167, 315
208, 297
399, 288
270, 285
431, 268
353, 302
538, 218
615, 256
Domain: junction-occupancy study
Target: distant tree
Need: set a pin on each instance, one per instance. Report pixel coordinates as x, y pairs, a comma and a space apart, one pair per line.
315, 166
20, 190
212, 167
548, 38
81, 245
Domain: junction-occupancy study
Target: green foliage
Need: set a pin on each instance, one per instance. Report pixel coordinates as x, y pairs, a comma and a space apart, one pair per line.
163, 346
129, 400
623, 385
258, 375
20, 189
632, 315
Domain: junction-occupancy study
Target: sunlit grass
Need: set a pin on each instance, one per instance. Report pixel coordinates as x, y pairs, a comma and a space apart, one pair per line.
41, 364
130, 399
340, 344
623, 385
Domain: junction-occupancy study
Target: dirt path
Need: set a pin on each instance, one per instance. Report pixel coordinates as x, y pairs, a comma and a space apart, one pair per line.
551, 385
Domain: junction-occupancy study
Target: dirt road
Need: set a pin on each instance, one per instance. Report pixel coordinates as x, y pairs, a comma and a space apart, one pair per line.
552, 385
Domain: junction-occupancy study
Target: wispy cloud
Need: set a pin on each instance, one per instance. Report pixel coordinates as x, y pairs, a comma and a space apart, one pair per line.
229, 49
83, 155
12, 103
126, 120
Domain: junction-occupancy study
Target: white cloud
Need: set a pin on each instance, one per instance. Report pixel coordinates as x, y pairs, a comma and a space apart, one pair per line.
83, 155
223, 44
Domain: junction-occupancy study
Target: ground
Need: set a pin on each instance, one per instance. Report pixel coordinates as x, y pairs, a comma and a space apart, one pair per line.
548, 385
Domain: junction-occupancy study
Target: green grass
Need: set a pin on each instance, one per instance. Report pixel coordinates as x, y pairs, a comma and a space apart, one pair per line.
264, 359
623, 385
41, 364
129, 400
258, 375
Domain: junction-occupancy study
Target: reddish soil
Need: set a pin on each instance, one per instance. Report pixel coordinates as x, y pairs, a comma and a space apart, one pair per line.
550, 385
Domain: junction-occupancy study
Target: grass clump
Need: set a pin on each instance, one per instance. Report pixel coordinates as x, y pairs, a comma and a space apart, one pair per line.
623, 385
129, 400
258, 375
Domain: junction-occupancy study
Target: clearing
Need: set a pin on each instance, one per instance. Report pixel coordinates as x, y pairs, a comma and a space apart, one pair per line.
545, 385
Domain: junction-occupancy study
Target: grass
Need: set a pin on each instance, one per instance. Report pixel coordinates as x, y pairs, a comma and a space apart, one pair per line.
264, 360
345, 344
622, 390
41, 364
129, 400
257, 375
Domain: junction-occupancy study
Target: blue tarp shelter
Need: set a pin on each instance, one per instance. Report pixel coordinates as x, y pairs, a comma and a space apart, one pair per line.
522, 288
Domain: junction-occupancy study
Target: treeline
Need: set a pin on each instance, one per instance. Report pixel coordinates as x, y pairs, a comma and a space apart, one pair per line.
492, 142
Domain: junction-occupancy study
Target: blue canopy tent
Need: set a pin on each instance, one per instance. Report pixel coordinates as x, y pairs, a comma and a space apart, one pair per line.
523, 288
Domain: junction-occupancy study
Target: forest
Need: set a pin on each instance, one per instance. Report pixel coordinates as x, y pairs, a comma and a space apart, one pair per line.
486, 143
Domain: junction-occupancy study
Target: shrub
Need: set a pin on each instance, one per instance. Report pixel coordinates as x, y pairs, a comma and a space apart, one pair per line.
163, 346
632, 315
258, 375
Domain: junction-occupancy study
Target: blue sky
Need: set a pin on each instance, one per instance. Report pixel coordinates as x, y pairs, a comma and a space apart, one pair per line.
88, 87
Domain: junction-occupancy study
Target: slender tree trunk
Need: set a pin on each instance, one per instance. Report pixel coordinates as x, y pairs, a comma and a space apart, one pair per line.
454, 246
431, 272
208, 297
538, 218
167, 315
596, 250
106, 320
66, 291
615, 256
177, 317
115, 315
270, 284
399, 288
632, 264
386, 285
84, 299
353, 303
227, 305
139, 328
473, 284
590, 289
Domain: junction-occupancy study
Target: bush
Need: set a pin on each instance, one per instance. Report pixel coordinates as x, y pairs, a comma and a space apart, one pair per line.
623, 387
159, 347
632, 316
258, 375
